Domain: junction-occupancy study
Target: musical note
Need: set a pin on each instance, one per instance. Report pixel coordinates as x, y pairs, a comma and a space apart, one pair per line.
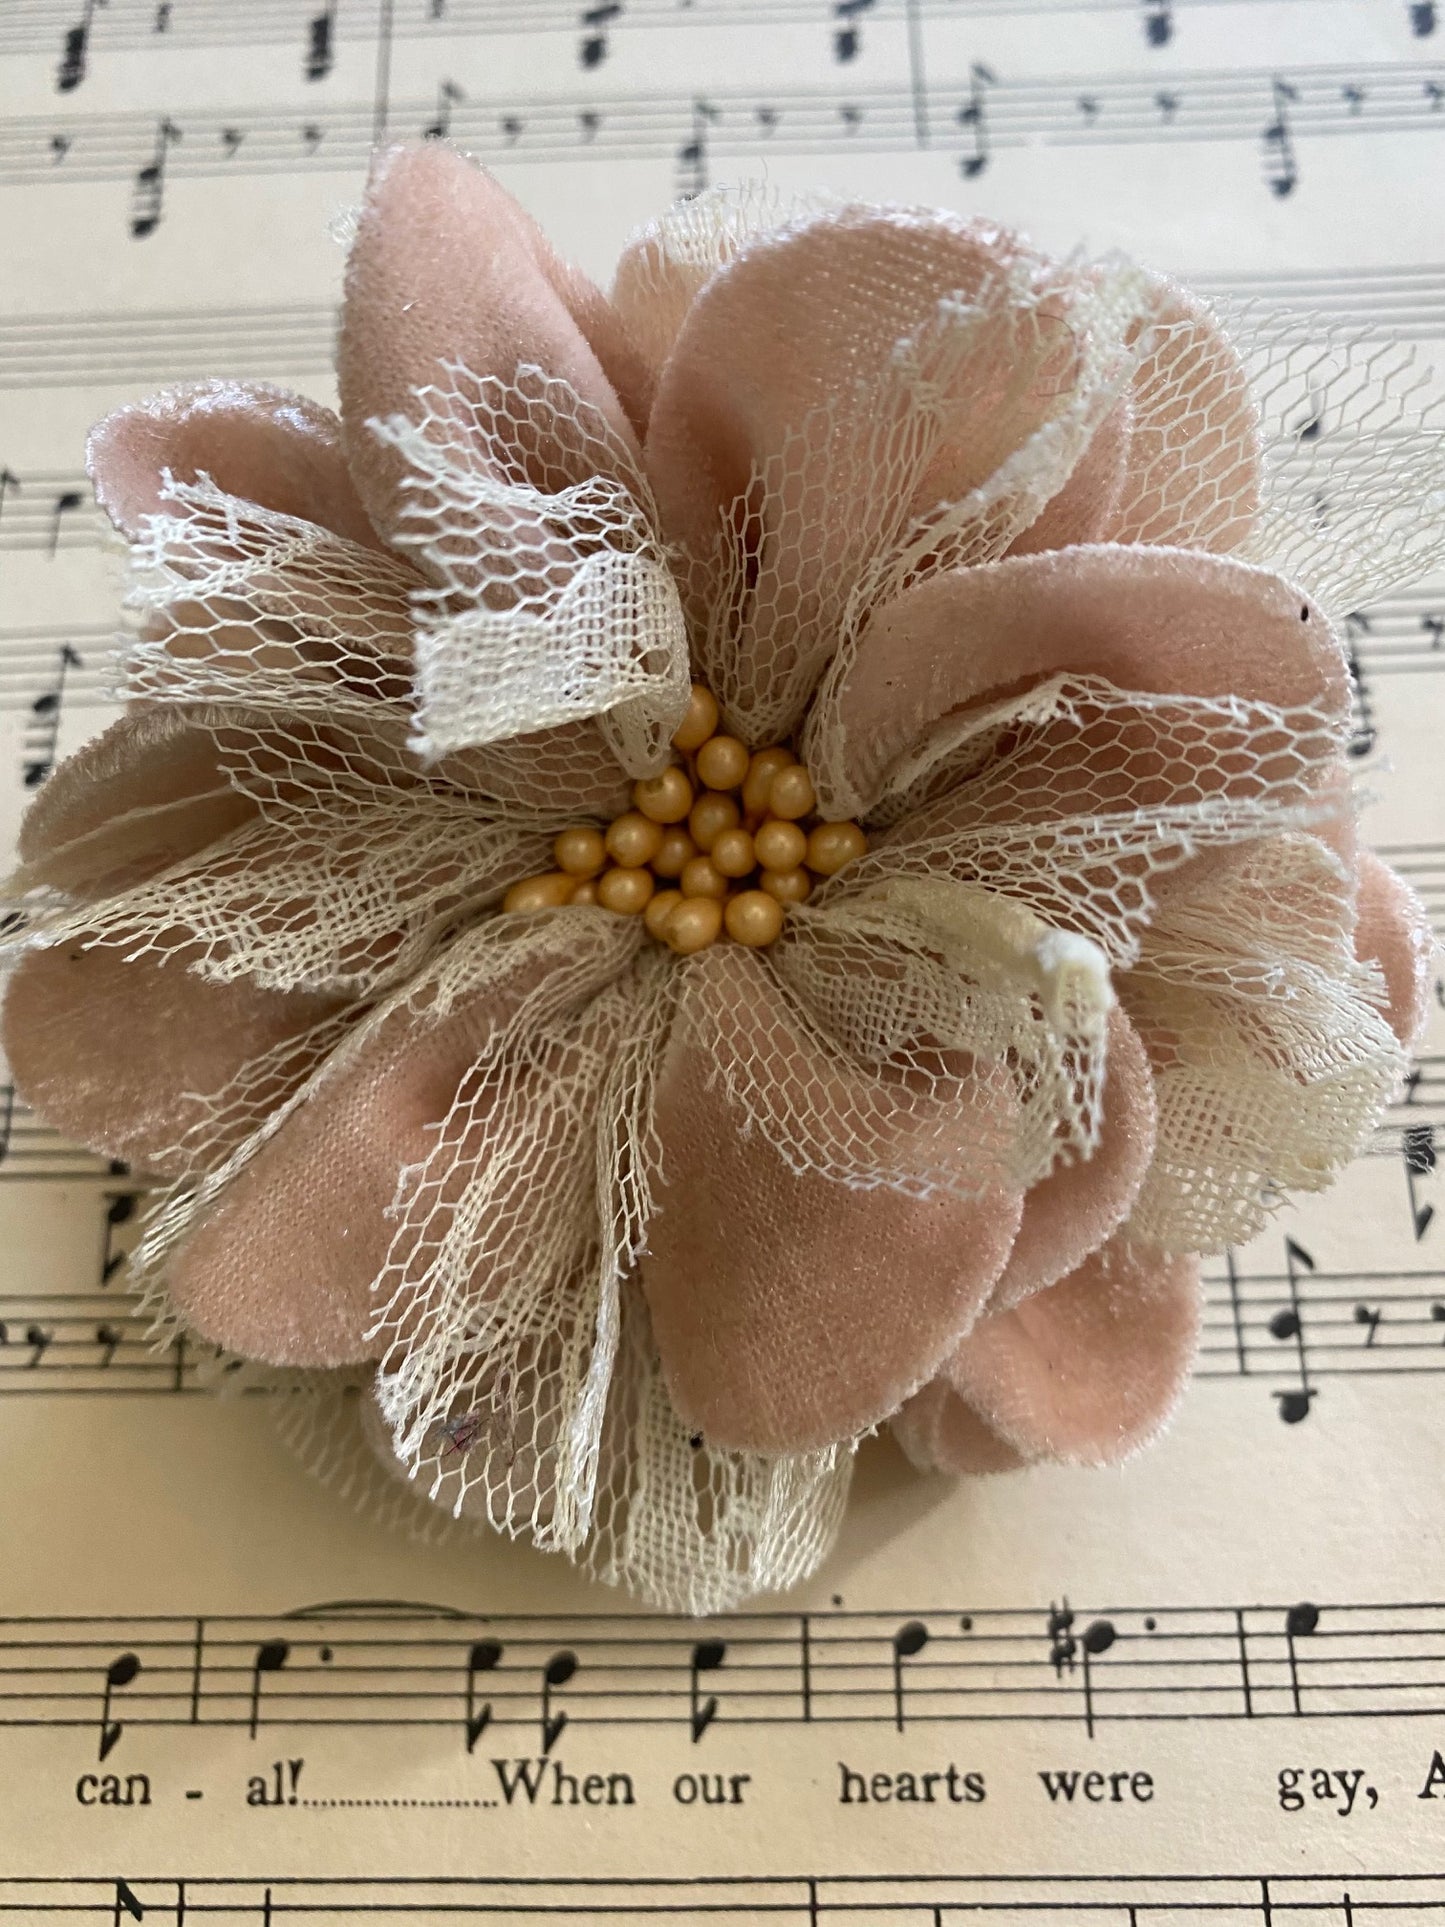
974, 116
1300, 1622
1363, 730
1422, 18
73, 48
1369, 1316
271, 1656
559, 1669
908, 1642
707, 1656
692, 155
108, 1338
483, 1657
148, 194
119, 1211
120, 1673
595, 20
39, 1340
1418, 1150
845, 37
1158, 22
42, 731
68, 500
448, 97
1062, 1647
321, 42
124, 1898
1281, 169
1294, 1405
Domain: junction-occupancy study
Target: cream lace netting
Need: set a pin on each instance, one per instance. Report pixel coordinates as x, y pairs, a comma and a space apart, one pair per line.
1077, 891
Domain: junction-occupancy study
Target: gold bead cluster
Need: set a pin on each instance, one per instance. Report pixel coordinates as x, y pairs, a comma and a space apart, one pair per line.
720, 842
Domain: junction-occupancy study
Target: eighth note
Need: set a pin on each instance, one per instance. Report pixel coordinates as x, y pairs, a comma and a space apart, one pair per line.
270, 1658
148, 195
974, 116
707, 1656
121, 1671
484, 1656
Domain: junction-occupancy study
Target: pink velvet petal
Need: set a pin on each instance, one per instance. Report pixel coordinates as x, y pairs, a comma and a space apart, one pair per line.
270, 1275
147, 791
939, 1433
1078, 1207
447, 267
1194, 459
1394, 932
1087, 505
120, 1056
1156, 620
253, 440
1089, 1370
789, 1310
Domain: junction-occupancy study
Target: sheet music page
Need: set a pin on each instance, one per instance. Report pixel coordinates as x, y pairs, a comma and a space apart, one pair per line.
1209, 1684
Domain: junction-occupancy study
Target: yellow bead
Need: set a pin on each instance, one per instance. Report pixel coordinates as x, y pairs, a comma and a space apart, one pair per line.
580, 852
780, 846
792, 792
693, 925
732, 853
788, 886
754, 918
832, 845
712, 813
699, 722
759, 779
677, 848
659, 909
633, 840
625, 891
722, 762
586, 892
666, 798
540, 893
702, 878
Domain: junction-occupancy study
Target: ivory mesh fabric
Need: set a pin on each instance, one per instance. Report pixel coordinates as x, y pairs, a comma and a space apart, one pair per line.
625, 1250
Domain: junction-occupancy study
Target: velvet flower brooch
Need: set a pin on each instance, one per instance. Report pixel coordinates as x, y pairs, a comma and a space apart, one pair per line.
706, 871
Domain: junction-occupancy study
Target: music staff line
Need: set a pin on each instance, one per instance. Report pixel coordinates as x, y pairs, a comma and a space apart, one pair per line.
100, 349
972, 120
799, 1900
79, 34
401, 1665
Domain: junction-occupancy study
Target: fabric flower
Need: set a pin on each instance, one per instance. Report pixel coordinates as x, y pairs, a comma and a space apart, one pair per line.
637, 1127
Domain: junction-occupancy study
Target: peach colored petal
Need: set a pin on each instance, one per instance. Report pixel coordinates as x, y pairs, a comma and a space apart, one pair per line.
1194, 460
121, 1056
272, 1276
939, 1433
787, 368
1089, 1370
1394, 932
147, 791
1078, 1207
254, 441
791, 1311
1155, 620
1086, 507
447, 267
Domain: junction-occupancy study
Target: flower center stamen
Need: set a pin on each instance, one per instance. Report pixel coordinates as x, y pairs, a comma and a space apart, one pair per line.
718, 843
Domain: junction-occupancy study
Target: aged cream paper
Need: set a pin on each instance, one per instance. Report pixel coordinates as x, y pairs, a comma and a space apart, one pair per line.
1211, 1683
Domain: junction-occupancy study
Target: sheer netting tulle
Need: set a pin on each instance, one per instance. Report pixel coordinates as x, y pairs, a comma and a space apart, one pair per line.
622, 1250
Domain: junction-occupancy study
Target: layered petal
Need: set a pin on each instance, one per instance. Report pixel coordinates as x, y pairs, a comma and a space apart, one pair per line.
1394, 931
129, 1057
1193, 469
1149, 620
448, 269
1070, 1213
792, 1310
1084, 1373
265, 1272
145, 793
847, 402
256, 442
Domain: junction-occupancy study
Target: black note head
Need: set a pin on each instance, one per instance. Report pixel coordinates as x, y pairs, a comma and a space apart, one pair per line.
122, 1669
271, 1657
708, 1655
484, 1655
1099, 1636
910, 1639
560, 1668
1301, 1620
